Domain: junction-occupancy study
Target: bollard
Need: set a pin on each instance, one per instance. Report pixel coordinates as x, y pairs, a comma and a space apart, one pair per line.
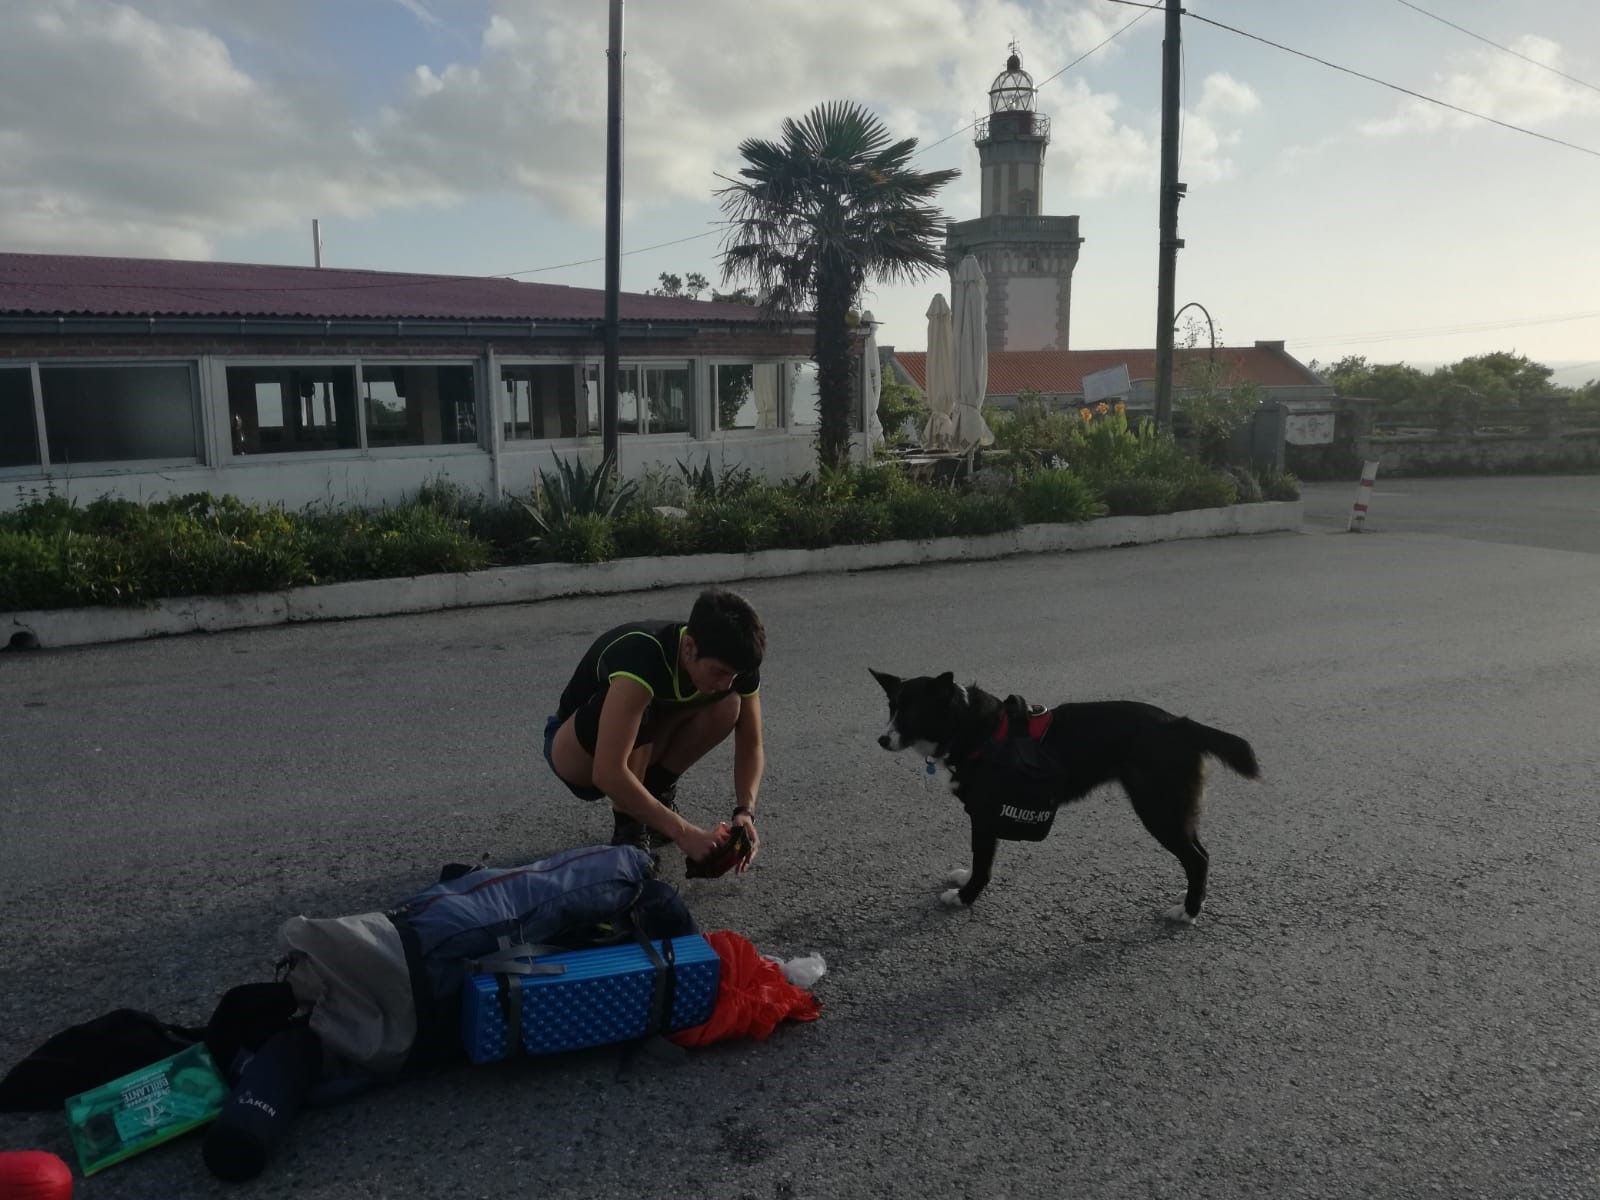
1358, 514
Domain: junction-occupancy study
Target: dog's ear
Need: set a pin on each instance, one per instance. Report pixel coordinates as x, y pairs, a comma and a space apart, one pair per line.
947, 680
889, 683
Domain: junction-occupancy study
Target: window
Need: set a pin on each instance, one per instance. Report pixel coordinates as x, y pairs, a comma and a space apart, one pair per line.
119, 414
746, 396
805, 402
19, 441
653, 399
279, 410
541, 402
419, 406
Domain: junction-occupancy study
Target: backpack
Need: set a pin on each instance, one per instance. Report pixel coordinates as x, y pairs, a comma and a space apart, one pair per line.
1013, 785
384, 988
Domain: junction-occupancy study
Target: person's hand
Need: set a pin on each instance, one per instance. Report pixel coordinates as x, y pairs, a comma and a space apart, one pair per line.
696, 843
749, 823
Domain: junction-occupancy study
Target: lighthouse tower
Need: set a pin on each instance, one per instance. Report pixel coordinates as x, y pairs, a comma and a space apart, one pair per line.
1027, 258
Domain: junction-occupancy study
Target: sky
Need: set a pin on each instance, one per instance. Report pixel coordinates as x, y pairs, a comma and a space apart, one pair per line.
468, 136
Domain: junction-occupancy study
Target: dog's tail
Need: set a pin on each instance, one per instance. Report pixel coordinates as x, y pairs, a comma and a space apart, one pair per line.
1231, 749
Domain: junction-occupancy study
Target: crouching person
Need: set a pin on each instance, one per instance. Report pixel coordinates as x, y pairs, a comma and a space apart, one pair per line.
648, 700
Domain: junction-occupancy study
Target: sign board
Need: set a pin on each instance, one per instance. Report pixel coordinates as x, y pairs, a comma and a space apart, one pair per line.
1110, 384
1309, 429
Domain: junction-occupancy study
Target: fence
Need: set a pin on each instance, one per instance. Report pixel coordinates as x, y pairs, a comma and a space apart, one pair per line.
1453, 436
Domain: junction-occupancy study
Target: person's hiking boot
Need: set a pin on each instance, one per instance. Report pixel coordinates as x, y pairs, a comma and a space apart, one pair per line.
625, 831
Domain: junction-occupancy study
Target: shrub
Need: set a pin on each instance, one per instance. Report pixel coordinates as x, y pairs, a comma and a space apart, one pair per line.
1279, 485
30, 571
863, 521
973, 515
898, 404
1031, 433
508, 528
880, 481
804, 524
1138, 497
581, 538
1247, 483
730, 527
644, 532
1054, 495
1212, 490
657, 486
920, 513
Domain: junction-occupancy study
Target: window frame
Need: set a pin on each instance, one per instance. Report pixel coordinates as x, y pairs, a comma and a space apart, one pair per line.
48, 465
501, 412
724, 360
427, 450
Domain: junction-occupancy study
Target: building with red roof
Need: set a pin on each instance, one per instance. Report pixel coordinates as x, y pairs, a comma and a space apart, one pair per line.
149, 377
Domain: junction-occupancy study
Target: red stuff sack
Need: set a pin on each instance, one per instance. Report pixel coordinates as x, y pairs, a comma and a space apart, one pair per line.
753, 999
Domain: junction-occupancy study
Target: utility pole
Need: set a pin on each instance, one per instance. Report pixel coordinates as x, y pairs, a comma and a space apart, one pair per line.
316, 241
608, 409
1171, 192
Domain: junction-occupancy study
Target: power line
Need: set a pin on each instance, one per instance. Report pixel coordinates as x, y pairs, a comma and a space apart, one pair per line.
584, 262
1497, 45
1544, 137
1057, 75
1397, 335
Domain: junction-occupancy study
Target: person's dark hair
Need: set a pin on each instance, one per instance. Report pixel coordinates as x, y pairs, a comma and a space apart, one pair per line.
725, 627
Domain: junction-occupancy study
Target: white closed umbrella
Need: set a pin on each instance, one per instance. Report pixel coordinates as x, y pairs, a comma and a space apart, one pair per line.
940, 431
871, 382
971, 355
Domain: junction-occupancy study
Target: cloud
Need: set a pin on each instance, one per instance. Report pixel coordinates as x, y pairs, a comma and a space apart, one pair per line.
1496, 85
128, 134
1210, 128
420, 11
161, 126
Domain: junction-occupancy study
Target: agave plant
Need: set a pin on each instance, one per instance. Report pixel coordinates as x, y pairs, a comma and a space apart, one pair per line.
703, 482
575, 490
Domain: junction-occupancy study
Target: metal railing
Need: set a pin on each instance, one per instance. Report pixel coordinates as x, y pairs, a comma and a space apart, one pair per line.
1012, 124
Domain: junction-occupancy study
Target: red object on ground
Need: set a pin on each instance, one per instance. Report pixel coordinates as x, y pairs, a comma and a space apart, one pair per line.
34, 1175
753, 998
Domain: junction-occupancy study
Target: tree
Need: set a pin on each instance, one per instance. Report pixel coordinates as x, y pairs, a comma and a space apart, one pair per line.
832, 204
1397, 383
1499, 378
689, 287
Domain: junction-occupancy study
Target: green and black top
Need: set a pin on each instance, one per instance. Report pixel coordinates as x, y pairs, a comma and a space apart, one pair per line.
647, 653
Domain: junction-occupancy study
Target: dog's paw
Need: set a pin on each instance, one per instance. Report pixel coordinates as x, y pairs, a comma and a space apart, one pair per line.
1178, 915
958, 877
952, 898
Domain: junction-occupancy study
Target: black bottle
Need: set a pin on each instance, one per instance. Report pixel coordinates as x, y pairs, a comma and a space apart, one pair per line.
257, 1116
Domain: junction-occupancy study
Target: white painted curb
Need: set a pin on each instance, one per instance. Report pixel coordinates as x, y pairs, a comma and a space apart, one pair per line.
53, 628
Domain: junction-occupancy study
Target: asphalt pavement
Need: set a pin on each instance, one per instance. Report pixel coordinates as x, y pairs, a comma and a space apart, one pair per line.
1392, 992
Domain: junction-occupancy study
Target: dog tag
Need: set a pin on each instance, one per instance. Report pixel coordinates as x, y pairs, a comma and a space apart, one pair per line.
931, 768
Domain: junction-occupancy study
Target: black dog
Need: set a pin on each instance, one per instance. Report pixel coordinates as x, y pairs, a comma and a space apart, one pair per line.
1013, 767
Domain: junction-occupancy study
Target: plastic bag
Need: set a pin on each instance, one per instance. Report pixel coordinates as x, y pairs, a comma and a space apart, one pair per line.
803, 971
754, 997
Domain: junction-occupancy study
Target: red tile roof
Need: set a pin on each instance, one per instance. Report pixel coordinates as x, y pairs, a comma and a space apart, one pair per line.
1061, 372
76, 285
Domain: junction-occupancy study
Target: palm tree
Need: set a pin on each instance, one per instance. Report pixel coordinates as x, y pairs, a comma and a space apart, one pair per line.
819, 213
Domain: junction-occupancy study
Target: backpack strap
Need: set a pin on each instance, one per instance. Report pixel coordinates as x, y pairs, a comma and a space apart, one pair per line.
508, 967
665, 962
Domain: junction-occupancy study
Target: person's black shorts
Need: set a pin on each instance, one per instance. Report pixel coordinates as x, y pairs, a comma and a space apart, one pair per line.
586, 725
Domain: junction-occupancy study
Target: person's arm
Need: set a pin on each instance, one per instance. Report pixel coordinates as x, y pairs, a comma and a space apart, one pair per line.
749, 763
620, 715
